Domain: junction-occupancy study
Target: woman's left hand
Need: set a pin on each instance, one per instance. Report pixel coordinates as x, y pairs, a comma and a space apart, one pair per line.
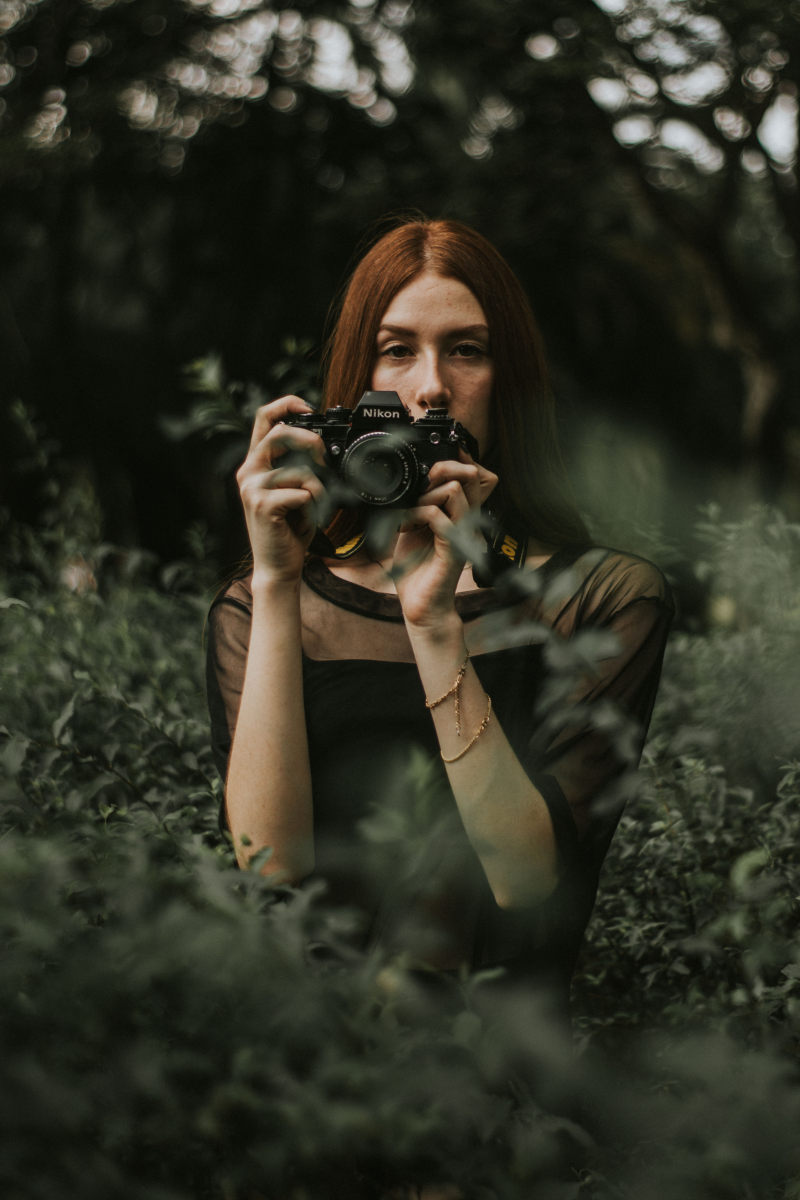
431, 550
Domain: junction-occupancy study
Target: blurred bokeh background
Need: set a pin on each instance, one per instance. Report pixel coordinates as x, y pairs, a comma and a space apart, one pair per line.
184, 185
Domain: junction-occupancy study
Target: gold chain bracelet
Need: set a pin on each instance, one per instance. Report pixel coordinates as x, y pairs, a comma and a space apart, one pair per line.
481, 728
454, 691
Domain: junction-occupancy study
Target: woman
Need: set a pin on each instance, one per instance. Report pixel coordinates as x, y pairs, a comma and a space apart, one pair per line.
328, 672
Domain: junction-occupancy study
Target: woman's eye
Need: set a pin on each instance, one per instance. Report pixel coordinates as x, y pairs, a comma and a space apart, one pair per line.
468, 350
395, 351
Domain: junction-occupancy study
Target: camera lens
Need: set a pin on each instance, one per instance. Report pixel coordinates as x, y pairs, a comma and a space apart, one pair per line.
380, 467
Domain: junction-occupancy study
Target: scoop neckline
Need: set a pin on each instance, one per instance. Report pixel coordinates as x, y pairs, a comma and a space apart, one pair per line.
386, 606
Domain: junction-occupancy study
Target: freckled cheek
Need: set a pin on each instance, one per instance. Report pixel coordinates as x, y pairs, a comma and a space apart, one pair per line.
383, 378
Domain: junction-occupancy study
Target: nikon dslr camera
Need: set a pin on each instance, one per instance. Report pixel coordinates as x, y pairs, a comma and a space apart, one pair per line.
380, 454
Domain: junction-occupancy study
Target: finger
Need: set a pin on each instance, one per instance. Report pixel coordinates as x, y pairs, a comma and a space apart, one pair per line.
280, 441
488, 479
461, 536
488, 482
264, 505
464, 475
451, 468
410, 524
296, 476
449, 497
290, 500
273, 413
283, 439
427, 516
477, 481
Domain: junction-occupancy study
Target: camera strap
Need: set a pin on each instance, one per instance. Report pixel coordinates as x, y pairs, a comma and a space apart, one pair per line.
322, 545
348, 549
509, 551
504, 551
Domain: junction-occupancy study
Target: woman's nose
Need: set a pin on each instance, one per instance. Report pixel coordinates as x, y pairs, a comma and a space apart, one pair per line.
431, 389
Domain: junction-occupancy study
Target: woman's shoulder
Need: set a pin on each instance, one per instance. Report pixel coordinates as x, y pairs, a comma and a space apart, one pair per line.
629, 575
594, 583
235, 593
230, 614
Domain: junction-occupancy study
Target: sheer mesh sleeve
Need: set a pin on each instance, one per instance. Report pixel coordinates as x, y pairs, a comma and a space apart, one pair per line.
226, 658
619, 620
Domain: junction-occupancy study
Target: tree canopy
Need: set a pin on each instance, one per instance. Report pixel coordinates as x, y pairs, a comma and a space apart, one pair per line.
182, 177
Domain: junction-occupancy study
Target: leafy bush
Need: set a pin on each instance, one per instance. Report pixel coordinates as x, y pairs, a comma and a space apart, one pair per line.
169, 1032
699, 902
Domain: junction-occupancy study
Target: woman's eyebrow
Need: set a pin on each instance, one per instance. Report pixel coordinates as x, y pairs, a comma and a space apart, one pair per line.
459, 331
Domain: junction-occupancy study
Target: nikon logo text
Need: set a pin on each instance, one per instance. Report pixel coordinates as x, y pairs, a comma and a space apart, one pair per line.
382, 414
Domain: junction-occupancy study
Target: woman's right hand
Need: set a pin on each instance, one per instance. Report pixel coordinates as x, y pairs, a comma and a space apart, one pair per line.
280, 501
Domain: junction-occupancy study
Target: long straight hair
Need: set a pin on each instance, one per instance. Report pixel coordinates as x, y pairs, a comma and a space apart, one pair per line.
533, 496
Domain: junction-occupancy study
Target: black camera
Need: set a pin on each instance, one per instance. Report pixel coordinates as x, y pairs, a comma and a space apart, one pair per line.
381, 455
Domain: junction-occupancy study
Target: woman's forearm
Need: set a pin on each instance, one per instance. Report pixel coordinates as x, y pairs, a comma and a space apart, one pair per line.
268, 793
504, 815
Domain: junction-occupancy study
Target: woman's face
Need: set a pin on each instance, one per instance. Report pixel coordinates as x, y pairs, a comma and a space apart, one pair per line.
433, 350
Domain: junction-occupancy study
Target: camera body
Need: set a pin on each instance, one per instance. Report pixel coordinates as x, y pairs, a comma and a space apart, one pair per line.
381, 455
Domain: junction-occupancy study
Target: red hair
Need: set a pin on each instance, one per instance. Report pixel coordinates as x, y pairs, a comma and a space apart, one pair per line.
533, 495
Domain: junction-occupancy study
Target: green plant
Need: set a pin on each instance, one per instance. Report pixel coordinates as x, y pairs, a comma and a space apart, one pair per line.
173, 1028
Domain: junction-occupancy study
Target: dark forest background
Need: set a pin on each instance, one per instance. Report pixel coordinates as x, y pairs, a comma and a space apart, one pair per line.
186, 180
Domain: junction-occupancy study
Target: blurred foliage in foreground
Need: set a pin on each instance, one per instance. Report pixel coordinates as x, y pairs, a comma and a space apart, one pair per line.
167, 1034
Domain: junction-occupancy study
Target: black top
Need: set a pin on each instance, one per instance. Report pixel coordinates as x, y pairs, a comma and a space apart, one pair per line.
585, 629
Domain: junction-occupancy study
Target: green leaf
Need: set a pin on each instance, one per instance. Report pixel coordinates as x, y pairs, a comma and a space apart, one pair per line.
63, 719
748, 865
12, 754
